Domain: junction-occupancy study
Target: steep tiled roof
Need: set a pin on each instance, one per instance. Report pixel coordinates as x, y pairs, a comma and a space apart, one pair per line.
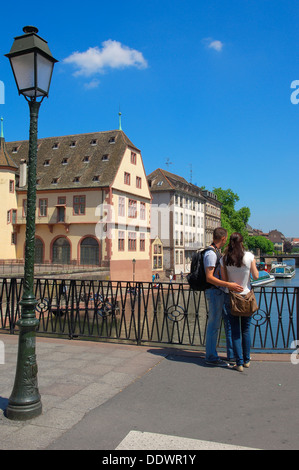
162, 180
76, 161
5, 160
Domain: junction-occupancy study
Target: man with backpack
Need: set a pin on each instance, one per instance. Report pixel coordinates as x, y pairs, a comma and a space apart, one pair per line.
217, 297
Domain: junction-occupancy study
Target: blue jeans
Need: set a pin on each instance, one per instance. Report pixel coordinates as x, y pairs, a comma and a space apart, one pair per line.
218, 302
240, 327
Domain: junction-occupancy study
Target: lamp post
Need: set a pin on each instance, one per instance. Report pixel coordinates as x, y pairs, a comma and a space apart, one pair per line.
32, 64
134, 263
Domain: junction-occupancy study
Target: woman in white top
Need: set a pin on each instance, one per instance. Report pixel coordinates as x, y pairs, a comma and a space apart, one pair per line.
239, 265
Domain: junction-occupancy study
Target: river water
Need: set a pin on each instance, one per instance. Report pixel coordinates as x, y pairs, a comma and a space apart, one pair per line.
275, 324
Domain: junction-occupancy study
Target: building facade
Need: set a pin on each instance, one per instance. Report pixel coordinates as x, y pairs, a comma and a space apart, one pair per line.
92, 206
178, 217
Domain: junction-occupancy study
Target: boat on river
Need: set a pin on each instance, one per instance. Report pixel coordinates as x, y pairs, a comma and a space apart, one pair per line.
264, 278
283, 270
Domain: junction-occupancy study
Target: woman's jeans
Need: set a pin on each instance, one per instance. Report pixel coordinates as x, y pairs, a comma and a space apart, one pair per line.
218, 302
240, 327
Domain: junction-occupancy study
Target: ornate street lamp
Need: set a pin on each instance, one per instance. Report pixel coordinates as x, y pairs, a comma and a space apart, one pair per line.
32, 64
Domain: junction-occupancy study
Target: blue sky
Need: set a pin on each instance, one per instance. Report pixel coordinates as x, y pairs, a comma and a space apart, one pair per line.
204, 85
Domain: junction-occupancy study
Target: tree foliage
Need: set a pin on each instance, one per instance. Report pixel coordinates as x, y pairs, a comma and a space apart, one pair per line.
265, 245
231, 219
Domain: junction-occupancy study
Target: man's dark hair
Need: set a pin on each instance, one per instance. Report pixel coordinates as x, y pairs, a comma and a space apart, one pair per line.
219, 233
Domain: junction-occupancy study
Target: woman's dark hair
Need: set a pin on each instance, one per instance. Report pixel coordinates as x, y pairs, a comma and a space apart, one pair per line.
235, 251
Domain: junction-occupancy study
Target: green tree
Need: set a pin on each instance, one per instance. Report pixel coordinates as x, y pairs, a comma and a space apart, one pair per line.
265, 245
231, 219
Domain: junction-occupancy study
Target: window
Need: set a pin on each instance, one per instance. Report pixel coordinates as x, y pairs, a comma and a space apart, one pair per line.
46, 162
55, 146
79, 205
11, 186
142, 242
43, 207
85, 159
76, 179
127, 178
61, 200
142, 211
121, 240
15, 149
54, 181
132, 241
138, 182
132, 208
133, 158
105, 158
111, 140
93, 142
14, 238
95, 178
14, 216
121, 206
24, 208
65, 161
73, 144
8, 218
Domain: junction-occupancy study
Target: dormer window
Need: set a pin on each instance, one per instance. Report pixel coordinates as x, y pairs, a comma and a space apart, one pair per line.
93, 142
112, 140
76, 179
15, 149
46, 162
54, 181
133, 158
105, 158
73, 144
85, 159
55, 145
95, 178
65, 161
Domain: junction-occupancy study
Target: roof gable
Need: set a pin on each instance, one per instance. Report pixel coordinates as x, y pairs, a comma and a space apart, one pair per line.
76, 161
5, 160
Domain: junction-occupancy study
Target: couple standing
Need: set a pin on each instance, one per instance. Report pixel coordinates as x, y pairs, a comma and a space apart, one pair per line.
230, 272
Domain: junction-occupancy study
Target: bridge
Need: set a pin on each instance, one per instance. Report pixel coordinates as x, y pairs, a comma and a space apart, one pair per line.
270, 258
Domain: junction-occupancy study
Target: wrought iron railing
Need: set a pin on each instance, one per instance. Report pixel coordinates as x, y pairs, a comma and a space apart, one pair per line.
144, 312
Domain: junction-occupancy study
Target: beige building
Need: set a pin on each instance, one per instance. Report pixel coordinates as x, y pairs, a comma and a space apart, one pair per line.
8, 206
178, 219
92, 205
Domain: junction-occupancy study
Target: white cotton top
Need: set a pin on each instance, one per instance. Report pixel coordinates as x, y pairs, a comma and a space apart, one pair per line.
241, 275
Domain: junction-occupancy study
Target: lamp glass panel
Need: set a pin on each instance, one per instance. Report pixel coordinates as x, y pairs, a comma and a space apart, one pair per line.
23, 66
44, 72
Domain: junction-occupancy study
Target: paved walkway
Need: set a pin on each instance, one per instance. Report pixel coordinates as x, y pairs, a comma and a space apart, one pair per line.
108, 396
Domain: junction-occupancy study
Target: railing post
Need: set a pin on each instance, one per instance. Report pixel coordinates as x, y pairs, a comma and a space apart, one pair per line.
71, 329
297, 312
138, 291
12, 305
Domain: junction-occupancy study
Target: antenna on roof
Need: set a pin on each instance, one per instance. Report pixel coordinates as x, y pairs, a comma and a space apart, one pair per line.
168, 162
190, 172
119, 120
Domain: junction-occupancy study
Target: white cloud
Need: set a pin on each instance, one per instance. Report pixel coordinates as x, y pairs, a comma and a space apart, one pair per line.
112, 55
214, 44
217, 45
93, 84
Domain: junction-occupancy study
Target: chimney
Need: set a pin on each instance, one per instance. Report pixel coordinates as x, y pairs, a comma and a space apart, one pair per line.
23, 174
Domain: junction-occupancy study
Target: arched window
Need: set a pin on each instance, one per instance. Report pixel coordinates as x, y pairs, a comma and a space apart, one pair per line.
89, 252
39, 251
61, 251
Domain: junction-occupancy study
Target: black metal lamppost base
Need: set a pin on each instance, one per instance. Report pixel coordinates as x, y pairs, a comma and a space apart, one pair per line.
25, 401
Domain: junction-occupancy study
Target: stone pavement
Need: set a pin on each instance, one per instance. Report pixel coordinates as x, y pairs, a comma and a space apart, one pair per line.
108, 396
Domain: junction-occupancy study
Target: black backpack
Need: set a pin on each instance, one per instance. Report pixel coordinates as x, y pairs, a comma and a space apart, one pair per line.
197, 276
